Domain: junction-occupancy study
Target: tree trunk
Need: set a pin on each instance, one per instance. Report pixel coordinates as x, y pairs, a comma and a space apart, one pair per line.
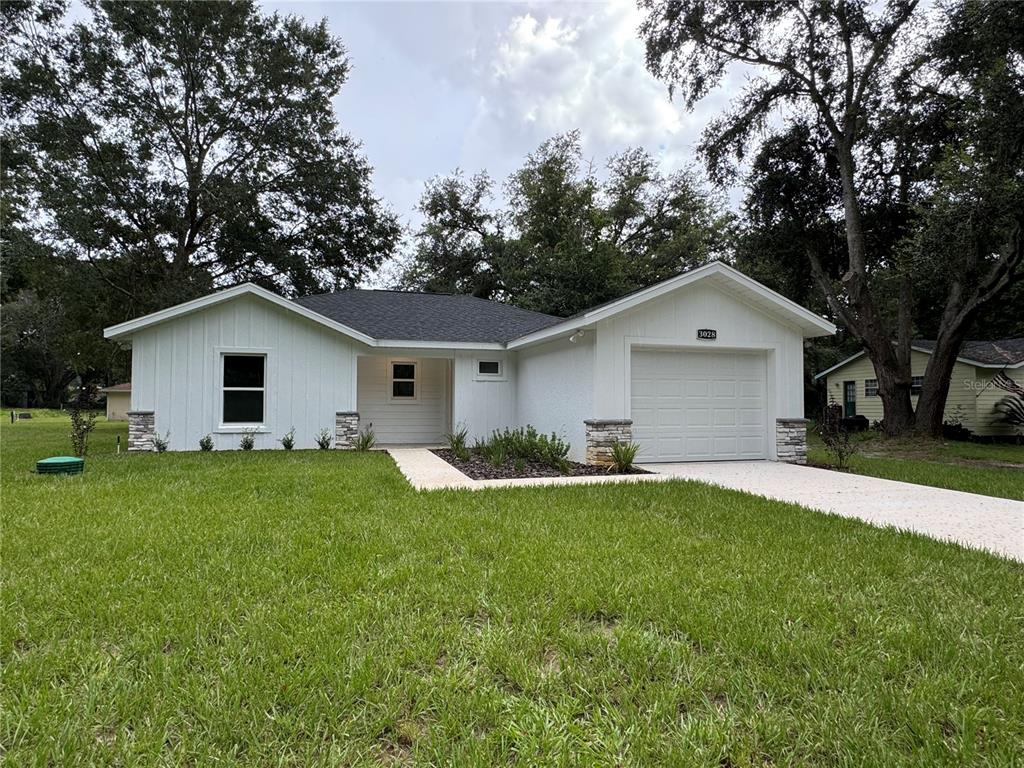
894, 390
931, 405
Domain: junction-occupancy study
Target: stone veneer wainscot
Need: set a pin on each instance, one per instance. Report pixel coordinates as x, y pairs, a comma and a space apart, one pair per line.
602, 434
791, 440
141, 430
346, 429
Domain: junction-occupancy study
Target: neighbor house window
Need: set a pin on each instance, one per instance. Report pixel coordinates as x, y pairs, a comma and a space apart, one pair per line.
403, 380
870, 387
916, 384
245, 390
488, 367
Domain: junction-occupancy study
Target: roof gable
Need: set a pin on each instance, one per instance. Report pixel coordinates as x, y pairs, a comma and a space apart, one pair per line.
126, 329
722, 276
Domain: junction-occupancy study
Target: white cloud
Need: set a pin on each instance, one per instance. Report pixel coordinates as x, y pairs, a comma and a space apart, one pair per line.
558, 68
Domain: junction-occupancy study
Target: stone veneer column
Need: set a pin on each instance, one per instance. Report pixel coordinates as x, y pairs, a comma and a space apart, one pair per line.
602, 434
141, 430
791, 440
346, 429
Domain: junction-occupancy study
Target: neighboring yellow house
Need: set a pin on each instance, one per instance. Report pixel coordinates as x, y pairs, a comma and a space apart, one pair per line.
119, 401
972, 397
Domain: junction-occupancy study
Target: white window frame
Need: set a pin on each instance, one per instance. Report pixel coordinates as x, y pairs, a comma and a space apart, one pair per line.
392, 362
499, 376
868, 387
261, 426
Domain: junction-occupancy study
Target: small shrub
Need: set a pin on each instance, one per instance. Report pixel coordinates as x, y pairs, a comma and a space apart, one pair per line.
160, 443
248, 441
324, 439
527, 444
83, 419
519, 464
495, 453
206, 443
457, 442
623, 456
365, 440
835, 436
288, 441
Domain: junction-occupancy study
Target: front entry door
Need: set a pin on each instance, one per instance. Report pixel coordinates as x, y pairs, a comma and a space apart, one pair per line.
849, 399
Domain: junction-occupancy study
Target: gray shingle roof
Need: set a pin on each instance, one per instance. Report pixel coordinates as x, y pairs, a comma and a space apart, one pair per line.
427, 316
998, 352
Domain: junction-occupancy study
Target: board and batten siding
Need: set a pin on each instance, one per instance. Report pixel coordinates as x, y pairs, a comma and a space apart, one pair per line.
961, 403
422, 420
555, 389
673, 321
176, 369
482, 404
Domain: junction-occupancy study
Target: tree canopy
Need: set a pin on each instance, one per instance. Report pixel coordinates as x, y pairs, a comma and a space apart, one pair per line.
568, 237
178, 146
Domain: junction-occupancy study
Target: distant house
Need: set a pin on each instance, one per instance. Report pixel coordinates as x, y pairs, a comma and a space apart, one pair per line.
119, 401
972, 395
705, 366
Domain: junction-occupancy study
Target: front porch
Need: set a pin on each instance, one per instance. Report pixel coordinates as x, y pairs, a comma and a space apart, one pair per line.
405, 400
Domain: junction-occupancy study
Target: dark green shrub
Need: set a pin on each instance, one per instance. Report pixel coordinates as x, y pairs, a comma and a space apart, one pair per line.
160, 443
288, 441
526, 444
206, 443
248, 441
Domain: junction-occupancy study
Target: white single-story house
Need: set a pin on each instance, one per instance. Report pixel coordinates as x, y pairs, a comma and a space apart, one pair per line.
973, 386
119, 401
705, 366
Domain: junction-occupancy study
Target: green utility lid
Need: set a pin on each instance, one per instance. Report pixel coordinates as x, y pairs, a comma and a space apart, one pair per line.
60, 465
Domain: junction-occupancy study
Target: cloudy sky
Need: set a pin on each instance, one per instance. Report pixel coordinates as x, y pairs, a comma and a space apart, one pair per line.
442, 85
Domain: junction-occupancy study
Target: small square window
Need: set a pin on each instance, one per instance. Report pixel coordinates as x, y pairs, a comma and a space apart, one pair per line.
916, 385
488, 367
870, 387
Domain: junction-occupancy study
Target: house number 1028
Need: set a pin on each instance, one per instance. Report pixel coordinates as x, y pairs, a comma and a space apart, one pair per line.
707, 333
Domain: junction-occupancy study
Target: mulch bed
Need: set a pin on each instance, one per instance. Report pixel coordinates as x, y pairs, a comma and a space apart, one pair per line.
479, 468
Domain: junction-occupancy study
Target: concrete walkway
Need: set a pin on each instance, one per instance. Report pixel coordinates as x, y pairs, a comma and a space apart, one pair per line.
981, 522
428, 472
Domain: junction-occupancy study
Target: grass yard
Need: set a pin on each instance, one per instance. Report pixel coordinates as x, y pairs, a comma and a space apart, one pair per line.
992, 469
308, 609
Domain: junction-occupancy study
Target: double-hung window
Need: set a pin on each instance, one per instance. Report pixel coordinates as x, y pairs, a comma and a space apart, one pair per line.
916, 385
403, 380
870, 387
244, 389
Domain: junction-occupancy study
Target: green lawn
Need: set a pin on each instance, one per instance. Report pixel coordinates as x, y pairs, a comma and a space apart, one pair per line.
992, 469
299, 609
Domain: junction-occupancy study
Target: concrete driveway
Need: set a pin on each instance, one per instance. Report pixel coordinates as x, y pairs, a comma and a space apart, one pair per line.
982, 522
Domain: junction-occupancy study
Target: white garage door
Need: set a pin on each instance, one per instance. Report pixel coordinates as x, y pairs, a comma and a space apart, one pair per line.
699, 406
